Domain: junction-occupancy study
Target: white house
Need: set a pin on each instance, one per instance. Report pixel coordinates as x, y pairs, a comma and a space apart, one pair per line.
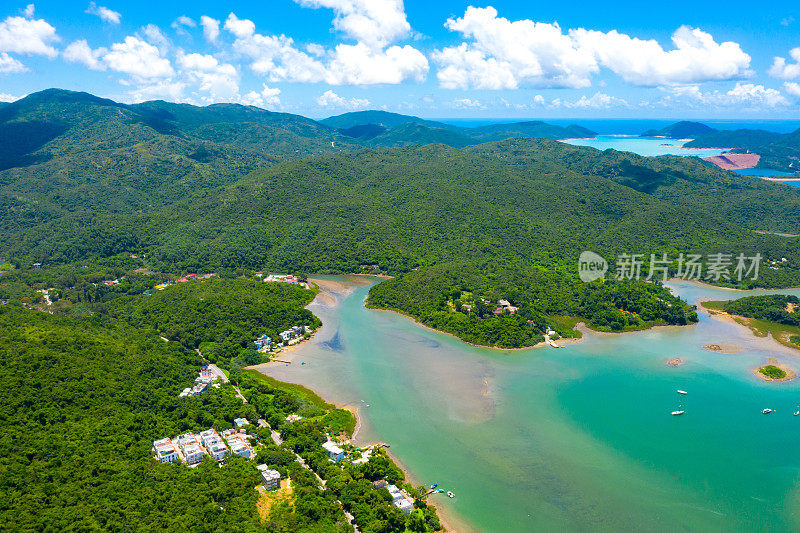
214, 444
240, 422
166, 451
334, 452
190, 446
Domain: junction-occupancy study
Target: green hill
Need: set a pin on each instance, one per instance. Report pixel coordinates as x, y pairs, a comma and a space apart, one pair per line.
415, 133
381, 118
681, 130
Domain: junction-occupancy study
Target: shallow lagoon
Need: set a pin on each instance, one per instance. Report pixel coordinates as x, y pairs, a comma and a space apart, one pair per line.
576, 438
647, 146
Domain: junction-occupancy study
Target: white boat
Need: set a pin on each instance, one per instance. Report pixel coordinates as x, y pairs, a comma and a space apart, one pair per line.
796, 413
451, 494
766, 411
677, 413
682, 391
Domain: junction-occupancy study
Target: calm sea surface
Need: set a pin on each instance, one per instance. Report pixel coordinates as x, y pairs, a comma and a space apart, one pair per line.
647, 146
572, 439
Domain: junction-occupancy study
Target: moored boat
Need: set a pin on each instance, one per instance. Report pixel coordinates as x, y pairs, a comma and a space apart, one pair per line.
677, 413
766, 411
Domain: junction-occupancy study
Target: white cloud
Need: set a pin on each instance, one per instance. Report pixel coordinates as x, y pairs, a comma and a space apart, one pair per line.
505, 54
155, 36
166, 89
502, 54
793, 88
277, 57
697, 57
138, 58
787, 20
210, 28
183, 22
786, 71
80, 52
331, 99
375, 23
26, 36
538, 100
267, 98
5, 97
466, 103
28, 11
598, 101
105, 14
361, 65
218, 81
743, 95
9, 65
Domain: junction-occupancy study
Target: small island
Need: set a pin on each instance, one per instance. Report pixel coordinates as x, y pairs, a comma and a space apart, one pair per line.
774, 371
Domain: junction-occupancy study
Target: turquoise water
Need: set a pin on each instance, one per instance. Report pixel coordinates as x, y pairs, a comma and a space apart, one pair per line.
761, 172
793, 183
572, 439
647, 146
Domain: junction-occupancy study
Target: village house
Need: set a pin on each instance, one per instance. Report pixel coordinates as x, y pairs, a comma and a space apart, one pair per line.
191, 449
240, 422
263, 343
335, 453
272, 479
400, 499
165, 450
238, 444
214, 444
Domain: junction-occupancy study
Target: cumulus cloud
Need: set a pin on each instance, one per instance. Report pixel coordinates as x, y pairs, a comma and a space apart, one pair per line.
9, 65
502, 54
105, 14
466, 103
793, 88
743, 95
597, 101
80, 52
27, 36
139, 58
331, 99
28, 11
219, 81
372, 22
279, 59
697, 57
785, 70
267, 98
210, 28
166, 89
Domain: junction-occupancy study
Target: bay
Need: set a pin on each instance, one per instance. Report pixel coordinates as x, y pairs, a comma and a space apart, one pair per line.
573, 439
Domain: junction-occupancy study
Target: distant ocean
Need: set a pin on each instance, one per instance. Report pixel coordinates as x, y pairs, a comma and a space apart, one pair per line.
634, 126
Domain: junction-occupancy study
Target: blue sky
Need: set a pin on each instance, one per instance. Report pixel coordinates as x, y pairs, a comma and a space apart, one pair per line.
433, 59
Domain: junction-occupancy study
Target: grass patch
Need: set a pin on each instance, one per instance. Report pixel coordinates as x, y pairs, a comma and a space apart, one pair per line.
565, 326
795, 339
772, 371
304, 392
715, 305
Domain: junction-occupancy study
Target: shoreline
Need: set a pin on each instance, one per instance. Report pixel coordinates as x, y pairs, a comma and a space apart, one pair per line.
563, 341
448, 518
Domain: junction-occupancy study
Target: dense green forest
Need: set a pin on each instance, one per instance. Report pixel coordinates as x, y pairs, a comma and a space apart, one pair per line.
84, 398
526, 207
681, 130
437, 298
773, 308
226, 314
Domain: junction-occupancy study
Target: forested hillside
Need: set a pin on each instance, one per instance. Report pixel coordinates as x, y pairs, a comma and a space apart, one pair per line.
523, 207
778, 151
83, 400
